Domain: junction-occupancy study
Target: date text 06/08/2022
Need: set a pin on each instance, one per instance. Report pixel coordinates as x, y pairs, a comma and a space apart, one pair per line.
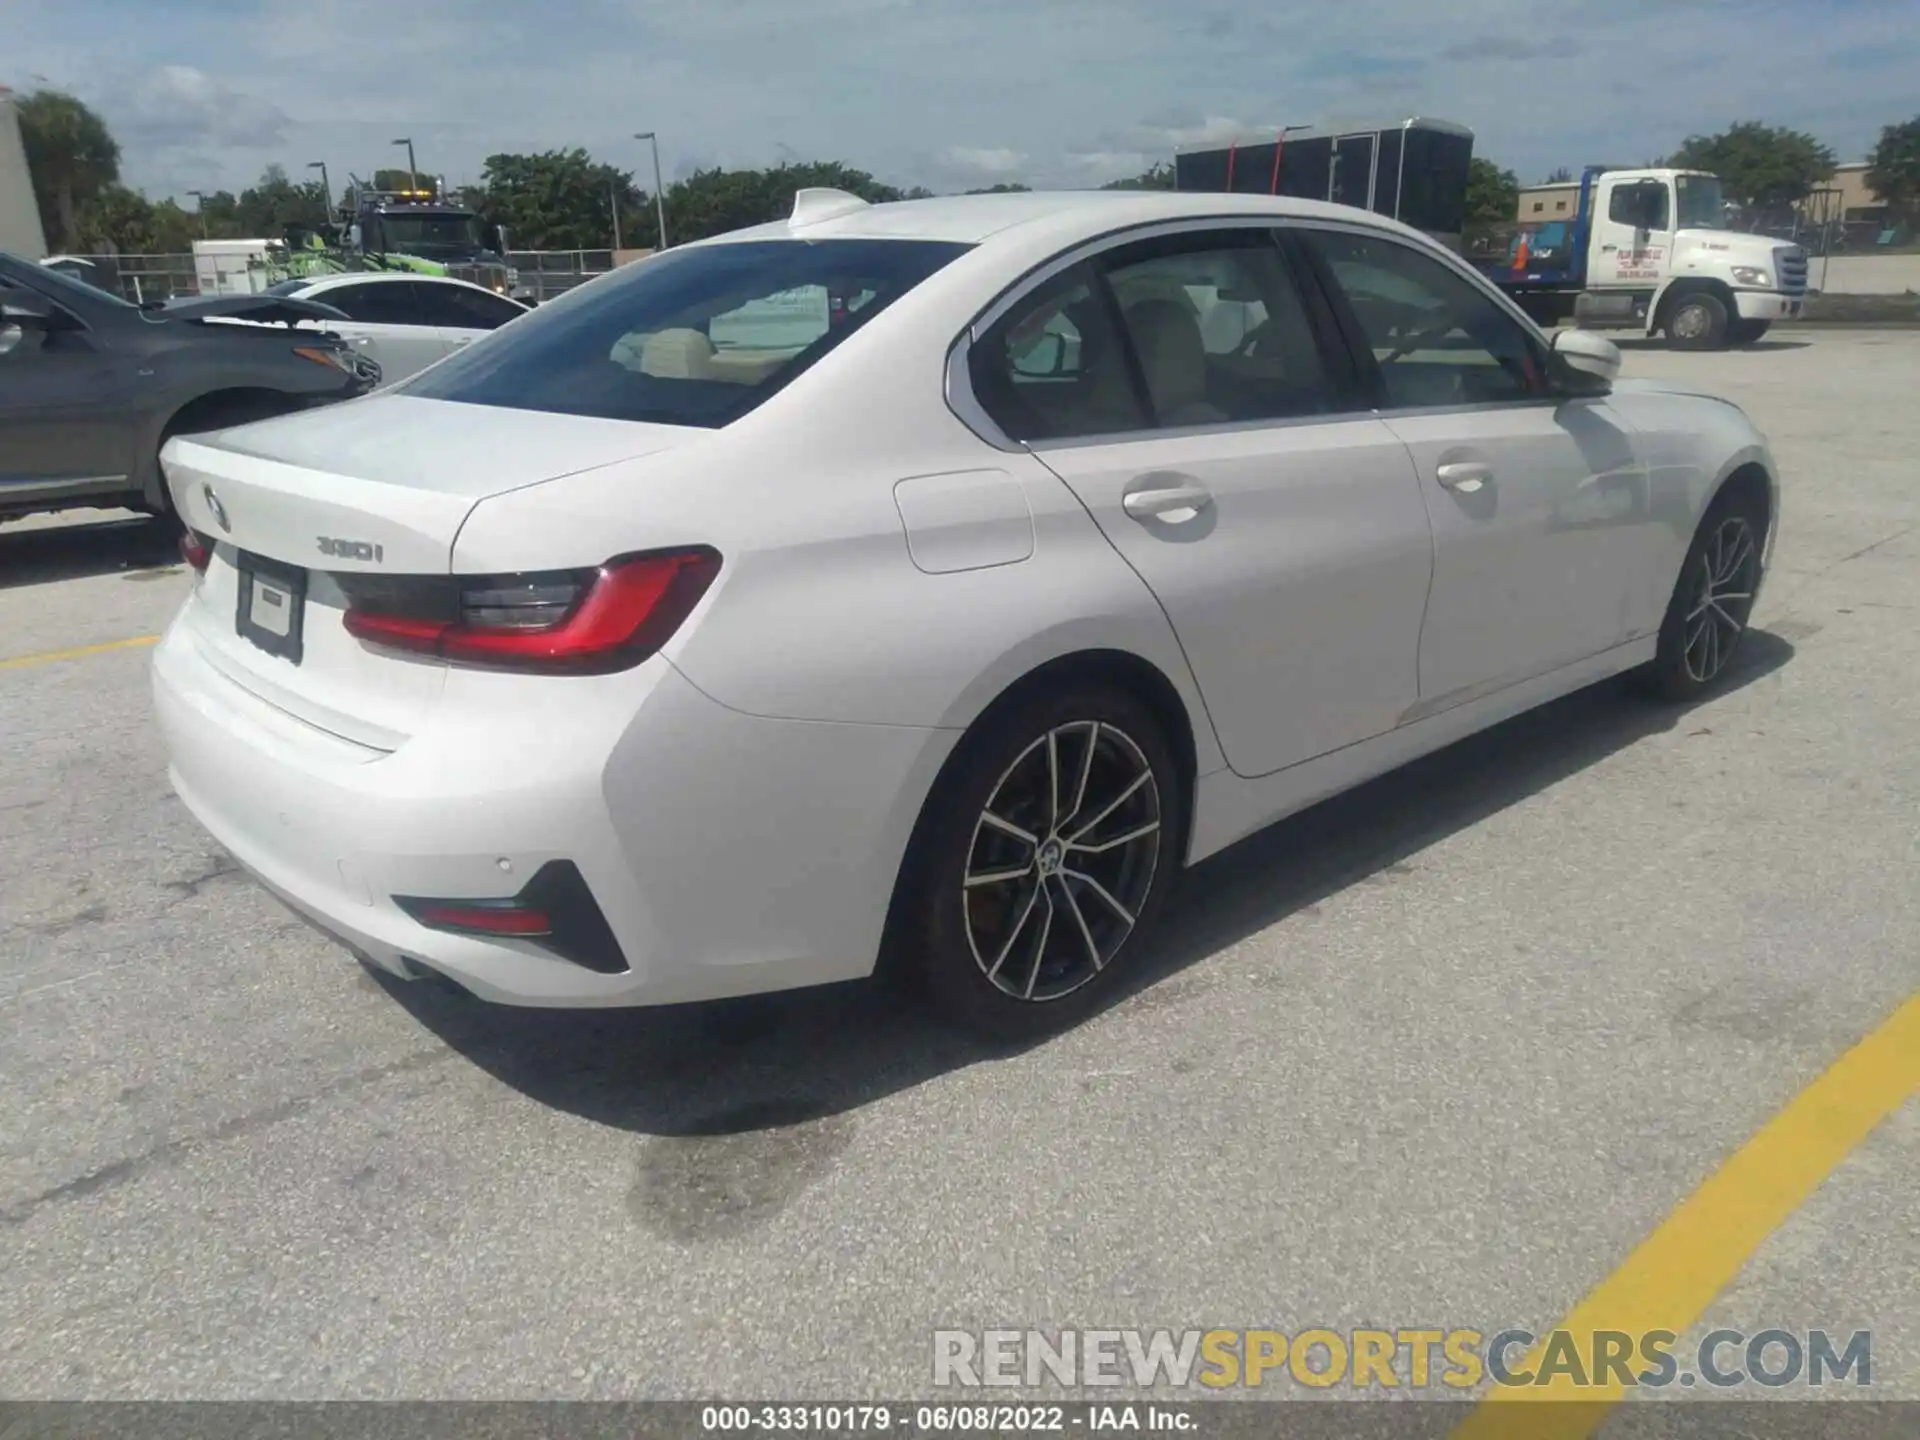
942, 1419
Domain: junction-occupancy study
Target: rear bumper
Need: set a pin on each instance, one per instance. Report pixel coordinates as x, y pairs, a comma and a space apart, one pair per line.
1767, 305
730, 854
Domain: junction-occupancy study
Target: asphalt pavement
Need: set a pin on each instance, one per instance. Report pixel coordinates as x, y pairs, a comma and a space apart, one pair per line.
1439, 1053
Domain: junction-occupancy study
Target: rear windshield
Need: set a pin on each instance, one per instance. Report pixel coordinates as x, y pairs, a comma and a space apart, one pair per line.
693, 337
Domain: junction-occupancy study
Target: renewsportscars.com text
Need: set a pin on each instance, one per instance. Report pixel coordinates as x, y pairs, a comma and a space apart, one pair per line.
1409, 1359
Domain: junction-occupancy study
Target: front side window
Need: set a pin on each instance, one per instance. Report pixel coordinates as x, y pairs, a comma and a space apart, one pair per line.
459, 307
1436, 338
1642, 205
698, 336
1218, 328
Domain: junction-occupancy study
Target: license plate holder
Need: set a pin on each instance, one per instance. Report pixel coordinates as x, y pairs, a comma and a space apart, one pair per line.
272, 605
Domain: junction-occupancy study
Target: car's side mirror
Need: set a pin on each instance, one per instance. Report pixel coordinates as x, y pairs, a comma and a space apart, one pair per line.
1585, 363
28, 310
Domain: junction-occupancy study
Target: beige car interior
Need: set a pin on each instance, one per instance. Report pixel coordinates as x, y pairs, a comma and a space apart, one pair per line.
688, 354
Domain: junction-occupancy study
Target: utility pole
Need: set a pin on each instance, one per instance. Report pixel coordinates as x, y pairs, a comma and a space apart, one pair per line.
613, 201
413, 175
200, 196
659, 196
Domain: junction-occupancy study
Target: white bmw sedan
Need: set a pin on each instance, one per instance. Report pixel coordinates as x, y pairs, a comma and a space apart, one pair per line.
404, 323
924, 583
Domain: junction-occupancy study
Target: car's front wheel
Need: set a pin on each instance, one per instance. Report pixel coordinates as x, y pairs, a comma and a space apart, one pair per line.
1698, 322
1712, 602
1042, 859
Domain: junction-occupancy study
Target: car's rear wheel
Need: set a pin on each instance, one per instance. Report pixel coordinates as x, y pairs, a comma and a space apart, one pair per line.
1706, 619
1041, 861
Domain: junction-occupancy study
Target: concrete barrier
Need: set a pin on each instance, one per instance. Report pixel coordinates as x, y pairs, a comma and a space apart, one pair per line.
1864, 274
1830, 309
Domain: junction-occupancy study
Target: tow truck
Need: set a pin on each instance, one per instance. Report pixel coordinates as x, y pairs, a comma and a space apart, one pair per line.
417, 230
1650, 250
1647, 250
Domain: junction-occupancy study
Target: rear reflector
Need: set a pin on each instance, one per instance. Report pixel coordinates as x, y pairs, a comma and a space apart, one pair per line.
572, 622
555, 910
489, 918
196, 549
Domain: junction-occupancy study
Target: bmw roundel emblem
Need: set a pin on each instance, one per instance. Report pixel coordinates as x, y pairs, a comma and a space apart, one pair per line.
213, 504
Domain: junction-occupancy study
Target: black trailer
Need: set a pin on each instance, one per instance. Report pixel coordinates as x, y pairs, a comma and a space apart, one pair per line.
1412, 170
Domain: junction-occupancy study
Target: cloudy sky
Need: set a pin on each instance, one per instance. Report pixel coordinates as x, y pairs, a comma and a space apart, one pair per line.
948, 93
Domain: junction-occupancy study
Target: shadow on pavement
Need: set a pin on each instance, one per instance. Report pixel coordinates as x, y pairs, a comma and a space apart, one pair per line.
768, 1063
42, 554
1641, 342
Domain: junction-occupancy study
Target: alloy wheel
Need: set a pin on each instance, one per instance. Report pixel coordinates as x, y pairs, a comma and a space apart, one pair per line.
1691, 322
1062, 861
1722, 598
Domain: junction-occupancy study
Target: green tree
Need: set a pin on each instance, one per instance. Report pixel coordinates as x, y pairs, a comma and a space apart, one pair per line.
711, 202
1560, 176
72, 157
1759, 165
1005, 187
1493, 194
274, 203
1893, 170
1157, 176
563, 200
219, 212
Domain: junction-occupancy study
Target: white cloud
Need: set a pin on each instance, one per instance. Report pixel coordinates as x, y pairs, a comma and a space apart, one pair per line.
177, 106
936, 92
986, 161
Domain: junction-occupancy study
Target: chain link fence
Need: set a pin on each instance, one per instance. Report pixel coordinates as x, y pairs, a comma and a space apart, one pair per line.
158, 278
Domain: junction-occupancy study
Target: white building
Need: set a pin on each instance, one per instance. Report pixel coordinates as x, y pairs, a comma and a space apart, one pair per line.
20, 230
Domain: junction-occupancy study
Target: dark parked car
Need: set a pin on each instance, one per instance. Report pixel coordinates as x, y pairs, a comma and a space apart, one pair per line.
91, 386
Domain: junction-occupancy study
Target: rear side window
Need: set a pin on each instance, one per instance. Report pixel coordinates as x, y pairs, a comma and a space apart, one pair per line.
696, 337
384, 302
1053, 367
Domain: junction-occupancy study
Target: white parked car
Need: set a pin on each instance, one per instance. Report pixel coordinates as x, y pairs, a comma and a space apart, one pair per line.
931, 581
405, 323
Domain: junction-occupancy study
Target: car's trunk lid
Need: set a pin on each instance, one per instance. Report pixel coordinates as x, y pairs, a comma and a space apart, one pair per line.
376, 486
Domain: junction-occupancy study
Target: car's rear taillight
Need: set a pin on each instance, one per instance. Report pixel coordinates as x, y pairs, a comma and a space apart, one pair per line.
576, 622
196, 549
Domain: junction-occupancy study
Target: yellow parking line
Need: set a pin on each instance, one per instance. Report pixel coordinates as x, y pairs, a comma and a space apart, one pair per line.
79, 652
1670, 1280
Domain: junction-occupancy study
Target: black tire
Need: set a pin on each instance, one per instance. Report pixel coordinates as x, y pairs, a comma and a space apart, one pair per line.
975, 947
215, 417
1746, 332
1697, 321
1692, 661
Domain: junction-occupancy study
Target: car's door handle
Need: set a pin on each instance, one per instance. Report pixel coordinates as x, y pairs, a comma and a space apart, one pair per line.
1166, 500
1465, 476
1608, 249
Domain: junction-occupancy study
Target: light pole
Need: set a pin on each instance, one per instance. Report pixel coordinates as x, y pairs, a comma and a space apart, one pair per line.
659, 197
613, 202
201, 198
326, 191
413, 175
